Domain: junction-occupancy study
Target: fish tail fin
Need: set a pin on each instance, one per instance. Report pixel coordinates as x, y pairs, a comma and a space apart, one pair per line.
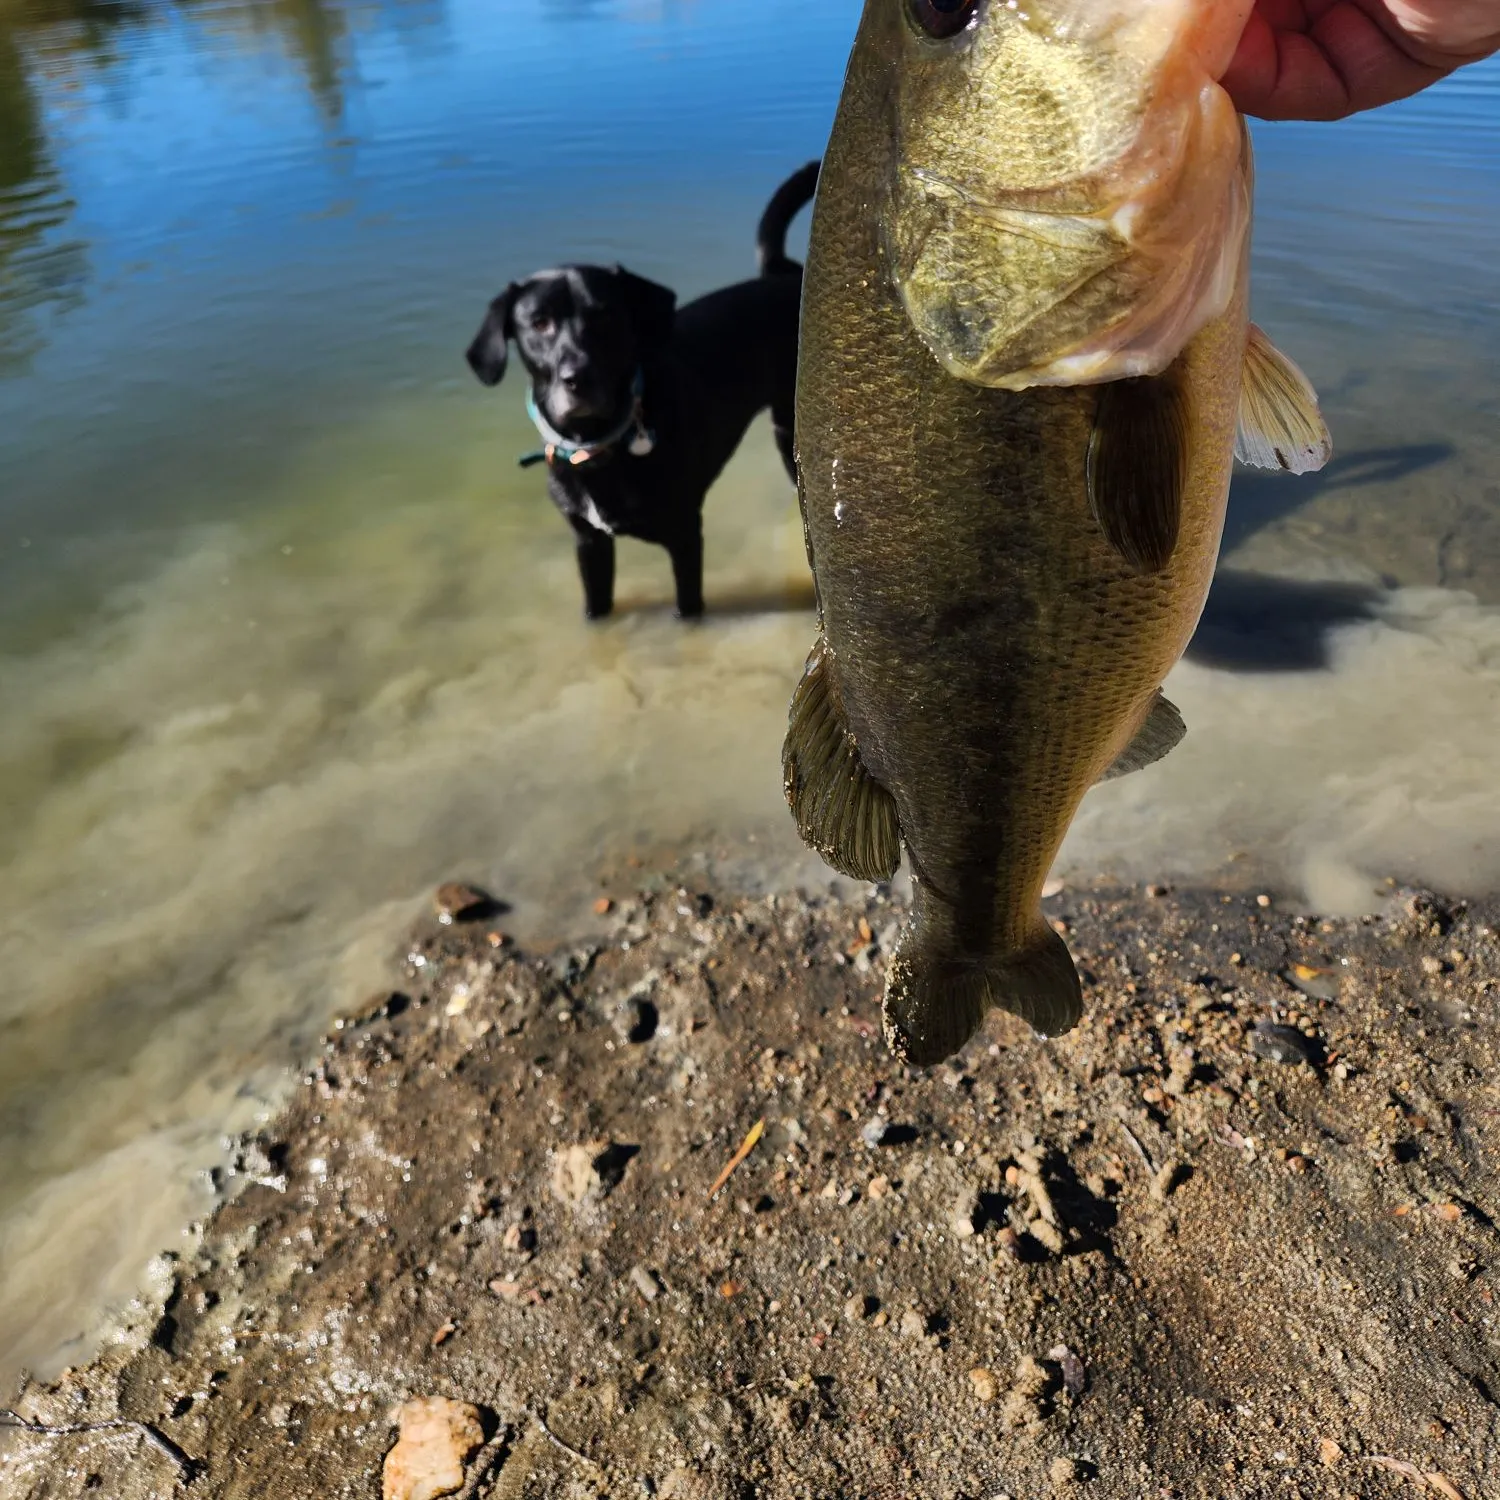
936, 997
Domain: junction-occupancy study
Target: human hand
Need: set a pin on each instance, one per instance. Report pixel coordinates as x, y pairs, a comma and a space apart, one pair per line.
1324, 59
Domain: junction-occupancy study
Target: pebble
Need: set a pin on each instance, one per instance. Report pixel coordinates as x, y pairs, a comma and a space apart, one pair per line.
1329, 1452
963, 1214
1010, 1243
913, 1324
1263, 900
986, 1387
1166, 1181
857, 1309
874, 1131
455, 901
437, 1438
519, 1237
1046, 1234
576, 1175
878, 1187
1431, 964
645, 1282
1065, 1471
1052, 888
1284, 1044
603, 906
1075, 1377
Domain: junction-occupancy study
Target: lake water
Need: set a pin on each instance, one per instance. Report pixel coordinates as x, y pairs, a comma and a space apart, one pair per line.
286, 637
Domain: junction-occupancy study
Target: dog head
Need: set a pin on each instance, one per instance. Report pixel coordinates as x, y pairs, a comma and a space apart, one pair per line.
582, 332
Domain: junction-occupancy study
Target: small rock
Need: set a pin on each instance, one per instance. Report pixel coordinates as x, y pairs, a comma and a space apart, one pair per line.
1166, 1181
964, 1213
603, 906
857, 1309
1066, 1472
519, 1237
1075, 1377
1329, 1452
874, 1131
1156, 892
456, 902
1262, 900
986, 1387
1053, 887
645, 1282
444, 1333
913, 1324
1432, 964
878, 1187
437, 1438
1010, 1243
586, 1172
1284, 1044
1047, 1234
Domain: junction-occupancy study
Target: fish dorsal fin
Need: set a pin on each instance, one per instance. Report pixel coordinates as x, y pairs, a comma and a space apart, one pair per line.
1280, 424
1160, 732
841, 810
1137, 466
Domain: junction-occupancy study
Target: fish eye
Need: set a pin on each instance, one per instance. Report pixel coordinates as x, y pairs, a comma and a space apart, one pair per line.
942, 18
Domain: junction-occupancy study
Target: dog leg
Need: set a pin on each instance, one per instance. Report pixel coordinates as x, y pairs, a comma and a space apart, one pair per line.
686, 550
596, 566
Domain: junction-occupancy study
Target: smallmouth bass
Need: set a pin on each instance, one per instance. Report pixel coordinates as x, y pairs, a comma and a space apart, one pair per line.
1026, 366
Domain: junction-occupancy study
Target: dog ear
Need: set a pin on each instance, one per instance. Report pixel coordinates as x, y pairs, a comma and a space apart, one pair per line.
653, 307
487, 355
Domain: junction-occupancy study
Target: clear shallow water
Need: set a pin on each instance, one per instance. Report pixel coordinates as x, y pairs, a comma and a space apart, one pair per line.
285, 637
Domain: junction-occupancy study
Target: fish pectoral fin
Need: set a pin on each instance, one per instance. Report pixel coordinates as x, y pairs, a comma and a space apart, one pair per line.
1137, 467
1160, 732
1280, 425
935, 1000
841, 810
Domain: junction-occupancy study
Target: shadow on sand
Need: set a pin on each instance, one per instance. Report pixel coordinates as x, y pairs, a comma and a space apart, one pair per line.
1256, 622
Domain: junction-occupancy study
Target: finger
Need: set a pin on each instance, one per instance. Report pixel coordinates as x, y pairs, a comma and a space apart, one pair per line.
1343, 63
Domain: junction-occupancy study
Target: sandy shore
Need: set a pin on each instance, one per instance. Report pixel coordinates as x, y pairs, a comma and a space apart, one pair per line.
1234, 1236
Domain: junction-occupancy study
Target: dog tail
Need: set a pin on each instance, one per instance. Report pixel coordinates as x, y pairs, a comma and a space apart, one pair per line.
786, 203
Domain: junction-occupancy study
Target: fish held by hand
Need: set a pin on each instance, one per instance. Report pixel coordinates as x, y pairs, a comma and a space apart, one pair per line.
1026, 367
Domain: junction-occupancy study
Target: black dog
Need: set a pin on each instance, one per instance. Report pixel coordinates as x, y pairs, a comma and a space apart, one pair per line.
642, 403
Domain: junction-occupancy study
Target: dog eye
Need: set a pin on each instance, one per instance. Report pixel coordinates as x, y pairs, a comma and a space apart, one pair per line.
543, 325
942, 18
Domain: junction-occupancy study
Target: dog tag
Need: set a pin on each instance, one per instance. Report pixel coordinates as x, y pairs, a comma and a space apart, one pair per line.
642, 443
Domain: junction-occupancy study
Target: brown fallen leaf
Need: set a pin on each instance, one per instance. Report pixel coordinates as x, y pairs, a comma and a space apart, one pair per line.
746, 1147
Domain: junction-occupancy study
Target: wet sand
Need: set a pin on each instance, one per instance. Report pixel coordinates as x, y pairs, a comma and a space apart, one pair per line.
1235, 1235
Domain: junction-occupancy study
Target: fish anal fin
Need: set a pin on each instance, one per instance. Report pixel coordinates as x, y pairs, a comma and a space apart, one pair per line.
1160, 732
1137, 467
1280, 426
935, 1000
841, 810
